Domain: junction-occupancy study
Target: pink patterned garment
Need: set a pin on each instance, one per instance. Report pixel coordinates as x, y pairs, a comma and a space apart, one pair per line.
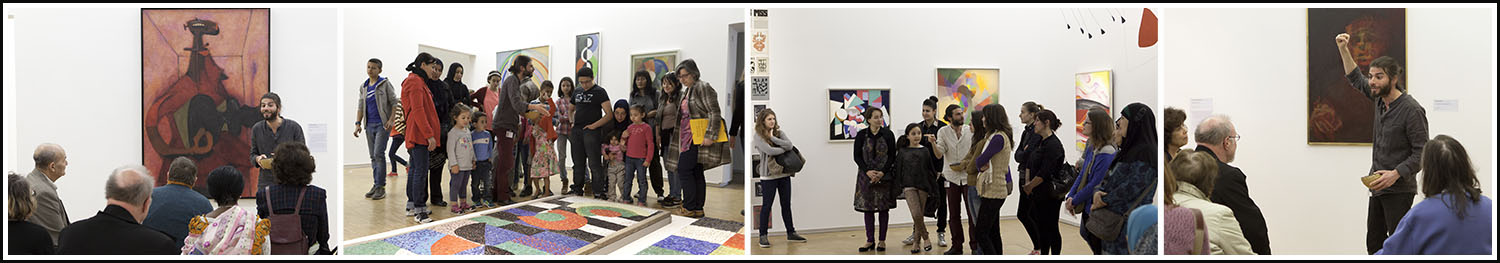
686, 139
1179, 232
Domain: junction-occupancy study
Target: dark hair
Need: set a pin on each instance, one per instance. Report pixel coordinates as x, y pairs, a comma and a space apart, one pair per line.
478, 115
930, 102
1173, 119
519, 64
691, 67
995, 119
377, 62
1447, 169
1392, 68
1050, 118
571, 86
1139, 143
183, 170
293, 165
901, 141
18, 202
976, 118
453, 70
585, 72
760, 124
870, 113
612, 135
274, 98
948, 113
649, 89
416, 64
671, 77
225, 185
459, 109
1103, 127
1032, 107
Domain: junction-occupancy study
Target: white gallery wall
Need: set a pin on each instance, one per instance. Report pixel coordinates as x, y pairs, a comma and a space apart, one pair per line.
392, 34
95, 112
900, 49
1253, 67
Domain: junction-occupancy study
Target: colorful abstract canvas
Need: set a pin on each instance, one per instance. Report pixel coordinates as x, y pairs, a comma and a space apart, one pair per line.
707, 236
845, 107
540, 57
1091, 89
657, 64
1336, 112
202, 74
969, 88
545, 227
586, 53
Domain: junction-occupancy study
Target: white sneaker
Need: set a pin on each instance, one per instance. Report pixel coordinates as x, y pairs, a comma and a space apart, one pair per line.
410, 213
942, 241
423, 219
909, 239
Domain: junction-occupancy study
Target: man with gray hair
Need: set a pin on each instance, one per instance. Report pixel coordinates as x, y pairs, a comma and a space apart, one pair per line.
177, 202
116, 230
1217, 137
51, 164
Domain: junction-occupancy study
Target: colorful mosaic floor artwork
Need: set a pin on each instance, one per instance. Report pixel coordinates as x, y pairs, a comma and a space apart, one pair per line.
707, 236
552, 227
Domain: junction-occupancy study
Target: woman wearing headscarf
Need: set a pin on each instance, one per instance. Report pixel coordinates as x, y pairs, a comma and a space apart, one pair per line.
1132, 177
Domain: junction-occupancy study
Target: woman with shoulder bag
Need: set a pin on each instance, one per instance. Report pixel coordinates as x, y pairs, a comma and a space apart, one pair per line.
1131, 181
1092, 167
774, 180
1043, 166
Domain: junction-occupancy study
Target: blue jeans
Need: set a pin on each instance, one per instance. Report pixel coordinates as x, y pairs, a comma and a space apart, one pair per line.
416, 179
376, 137
635, 168
768, 191
973, 210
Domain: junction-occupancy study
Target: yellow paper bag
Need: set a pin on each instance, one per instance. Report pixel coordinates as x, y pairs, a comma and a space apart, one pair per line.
1369, 180
266, 163
700, 126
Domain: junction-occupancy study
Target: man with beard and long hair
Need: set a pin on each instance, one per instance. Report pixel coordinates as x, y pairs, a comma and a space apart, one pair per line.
1400, 132
506, 125
269, 133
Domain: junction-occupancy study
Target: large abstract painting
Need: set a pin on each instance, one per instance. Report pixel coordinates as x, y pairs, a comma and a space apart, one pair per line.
1336, 112
202, 74
1091, 89
845, 107
969, 88
707, 236
558, 226
540, 57
586, 52
657, 64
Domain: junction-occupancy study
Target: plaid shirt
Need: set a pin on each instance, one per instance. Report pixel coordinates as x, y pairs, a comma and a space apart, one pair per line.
562, 118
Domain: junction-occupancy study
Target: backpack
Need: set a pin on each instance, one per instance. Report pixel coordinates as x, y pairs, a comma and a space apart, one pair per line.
286, 229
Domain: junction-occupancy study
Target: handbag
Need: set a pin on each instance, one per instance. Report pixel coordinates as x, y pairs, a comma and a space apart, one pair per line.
791, 161
1063, 180
286, 229
1106, 224
1081, 174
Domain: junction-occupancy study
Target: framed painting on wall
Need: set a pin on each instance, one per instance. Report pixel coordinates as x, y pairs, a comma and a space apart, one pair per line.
1091, 89
586, 52
202, 74
846, 105
1337, 114
540, 56
657, 64
967, 87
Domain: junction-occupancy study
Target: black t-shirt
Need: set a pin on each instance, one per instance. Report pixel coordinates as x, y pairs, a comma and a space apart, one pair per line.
586, 103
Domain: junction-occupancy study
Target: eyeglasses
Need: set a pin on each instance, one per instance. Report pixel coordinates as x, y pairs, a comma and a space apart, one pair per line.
1236, 138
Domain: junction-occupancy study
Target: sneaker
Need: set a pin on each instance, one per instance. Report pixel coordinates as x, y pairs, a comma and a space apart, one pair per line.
908, 240
942, 241
457, 209
372, 191
682, 212
765, 242
379, 194
698, 214
439, 203
793, 237
410, 213
423, 219
392, 174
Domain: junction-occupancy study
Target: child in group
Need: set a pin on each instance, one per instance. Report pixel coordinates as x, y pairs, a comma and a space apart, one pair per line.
640, 143
543, 156
484, 150
461, 154
918, 182
398, 137
614, 155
